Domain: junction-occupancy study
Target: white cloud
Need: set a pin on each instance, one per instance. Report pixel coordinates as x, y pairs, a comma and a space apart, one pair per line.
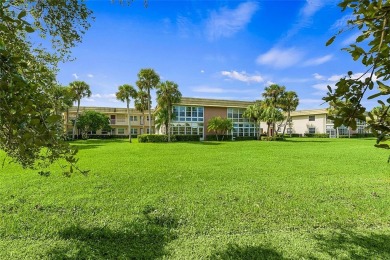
342, 23
75, 76
335, 78
227, 22
269, 83
304, 19
201, 71
294, 80
89, 99
90, 75
96, 96
217, 90
318, 76
242, 76
323, 86
318, 61
280, 58
205, 89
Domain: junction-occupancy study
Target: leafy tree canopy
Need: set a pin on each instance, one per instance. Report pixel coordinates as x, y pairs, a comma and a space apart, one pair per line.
372, 49
92, 121
29, 126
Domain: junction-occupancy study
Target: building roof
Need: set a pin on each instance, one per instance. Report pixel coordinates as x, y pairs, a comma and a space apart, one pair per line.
309, 112
105, 109
205, 102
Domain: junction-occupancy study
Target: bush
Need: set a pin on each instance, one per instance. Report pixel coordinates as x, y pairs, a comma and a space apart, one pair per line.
153, 138
317, 135
220, 138
245, 138
293, 135
187, 138
272, 138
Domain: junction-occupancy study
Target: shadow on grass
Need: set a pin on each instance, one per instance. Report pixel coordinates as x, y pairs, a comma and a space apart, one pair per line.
144, 238
354, 245
204, 143
307, 140
234, 251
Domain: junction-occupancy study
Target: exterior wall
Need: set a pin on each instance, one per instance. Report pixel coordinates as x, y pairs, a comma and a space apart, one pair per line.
210, 112
301, 124
118, 120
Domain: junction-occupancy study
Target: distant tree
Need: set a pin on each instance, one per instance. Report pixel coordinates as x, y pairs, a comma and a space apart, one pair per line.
141, 104
167, 94
161, 118
289, 102
125, 94
254, 112
273, 101
79, 89
148, 79
372, 49
92, 121
219, 125
271, 115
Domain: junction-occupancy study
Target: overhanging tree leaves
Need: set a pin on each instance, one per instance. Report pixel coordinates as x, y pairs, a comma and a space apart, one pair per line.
29, 125
372, 49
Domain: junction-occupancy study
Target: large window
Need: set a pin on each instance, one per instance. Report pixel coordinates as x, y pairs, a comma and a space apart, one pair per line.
120, 131
241, 126
312, 130
133, 118
134, 131
188, 114
343, 130
188, 120
312, 118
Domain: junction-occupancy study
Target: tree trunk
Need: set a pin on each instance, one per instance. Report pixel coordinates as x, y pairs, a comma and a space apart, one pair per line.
149, 112
268, 126
128, 117
77, 117
287, 122
169, 123
259, 132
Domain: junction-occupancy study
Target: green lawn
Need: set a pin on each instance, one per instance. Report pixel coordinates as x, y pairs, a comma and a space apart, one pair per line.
298, 199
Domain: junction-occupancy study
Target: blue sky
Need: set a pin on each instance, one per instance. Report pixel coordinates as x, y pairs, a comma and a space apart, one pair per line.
214, 49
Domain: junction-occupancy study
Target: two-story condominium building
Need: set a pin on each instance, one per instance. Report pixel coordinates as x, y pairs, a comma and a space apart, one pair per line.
192, 116
118, 120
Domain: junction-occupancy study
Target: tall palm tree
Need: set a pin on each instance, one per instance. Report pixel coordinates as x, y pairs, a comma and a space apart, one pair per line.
79, 89
141, 104
273, 95
289, 102
125, 93
271, 115
148, 79
167, 94
253, 112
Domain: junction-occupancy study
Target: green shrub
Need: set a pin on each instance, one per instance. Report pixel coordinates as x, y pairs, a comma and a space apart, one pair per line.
272, 138
153, 138
245, 138
187, 138
317, 135
220, 138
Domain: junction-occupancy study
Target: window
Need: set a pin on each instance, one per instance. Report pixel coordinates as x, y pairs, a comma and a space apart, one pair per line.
112, 119
121, 119
188, 120
241, 126
360, 129
343, 130
147, 131
92, 132
141, 119
121, 131
133, 118
312, 118
312, 130
134, 131
147, 118
289, 130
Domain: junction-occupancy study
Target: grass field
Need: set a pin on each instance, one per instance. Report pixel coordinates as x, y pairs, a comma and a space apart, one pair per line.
298, 199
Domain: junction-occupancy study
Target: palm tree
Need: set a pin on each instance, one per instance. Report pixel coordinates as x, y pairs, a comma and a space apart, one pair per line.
289, 102
148, 79
125, 93
161, 118
270, 115
167, 94
273, 94
253, 112
79, 89
141, 104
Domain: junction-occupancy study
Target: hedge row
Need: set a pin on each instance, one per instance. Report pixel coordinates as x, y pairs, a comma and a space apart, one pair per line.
146, 138
69, 137
317, 135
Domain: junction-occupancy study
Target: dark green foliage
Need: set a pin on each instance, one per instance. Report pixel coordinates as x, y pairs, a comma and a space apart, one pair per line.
316, 135
244, 138
187, 138
218, 138
152, 138
92, 121
372, 49
272, 138
30, 125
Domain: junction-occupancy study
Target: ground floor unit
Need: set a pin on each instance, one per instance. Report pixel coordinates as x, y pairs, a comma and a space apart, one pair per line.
191, 117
